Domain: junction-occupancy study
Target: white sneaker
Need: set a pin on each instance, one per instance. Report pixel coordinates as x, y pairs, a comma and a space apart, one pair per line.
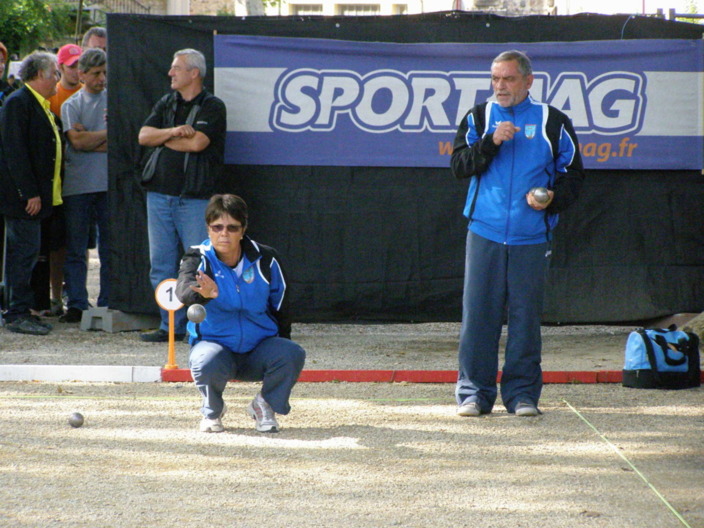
213, 425
263, 414
469, 409
526, 409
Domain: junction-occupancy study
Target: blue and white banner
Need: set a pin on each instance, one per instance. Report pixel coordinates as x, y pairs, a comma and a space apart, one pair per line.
635, 104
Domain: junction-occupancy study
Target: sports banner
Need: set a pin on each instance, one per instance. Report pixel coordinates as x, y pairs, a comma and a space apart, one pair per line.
635, 104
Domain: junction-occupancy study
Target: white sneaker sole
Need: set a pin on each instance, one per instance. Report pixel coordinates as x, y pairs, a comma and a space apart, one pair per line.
470, 409
212, 428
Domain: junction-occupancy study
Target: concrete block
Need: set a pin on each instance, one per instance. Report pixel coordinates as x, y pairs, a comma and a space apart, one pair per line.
102, 318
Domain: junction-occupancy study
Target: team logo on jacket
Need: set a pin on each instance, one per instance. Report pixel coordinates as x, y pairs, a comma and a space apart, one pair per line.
248, 275
530, 131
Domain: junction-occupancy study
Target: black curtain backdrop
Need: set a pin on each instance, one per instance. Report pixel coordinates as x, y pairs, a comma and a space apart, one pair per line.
379, 243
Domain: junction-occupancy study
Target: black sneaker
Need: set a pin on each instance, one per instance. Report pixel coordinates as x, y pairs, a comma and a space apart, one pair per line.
72, 315
26, 325
41, 322
159, 336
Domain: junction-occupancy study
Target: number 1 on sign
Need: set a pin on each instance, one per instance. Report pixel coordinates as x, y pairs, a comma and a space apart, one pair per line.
167, 300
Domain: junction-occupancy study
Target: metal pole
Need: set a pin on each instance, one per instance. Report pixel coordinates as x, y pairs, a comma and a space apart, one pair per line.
79, 20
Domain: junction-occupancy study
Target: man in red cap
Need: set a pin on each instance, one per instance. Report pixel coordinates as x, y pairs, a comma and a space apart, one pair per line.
70, 83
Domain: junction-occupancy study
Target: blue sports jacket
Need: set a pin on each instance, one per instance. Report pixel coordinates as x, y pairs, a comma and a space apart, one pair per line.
248, 308
543, 153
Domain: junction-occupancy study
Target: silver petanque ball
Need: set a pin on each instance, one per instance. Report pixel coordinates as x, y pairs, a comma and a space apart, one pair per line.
540, 194
75, 420
196, 313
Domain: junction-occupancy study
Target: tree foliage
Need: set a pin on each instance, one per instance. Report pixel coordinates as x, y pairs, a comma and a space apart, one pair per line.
28, 24
692, 8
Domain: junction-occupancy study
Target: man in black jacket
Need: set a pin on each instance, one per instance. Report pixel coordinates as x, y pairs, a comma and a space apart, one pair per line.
188, 126
30, 182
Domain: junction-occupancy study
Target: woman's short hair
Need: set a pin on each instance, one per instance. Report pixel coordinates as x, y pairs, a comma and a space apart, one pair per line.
226, 204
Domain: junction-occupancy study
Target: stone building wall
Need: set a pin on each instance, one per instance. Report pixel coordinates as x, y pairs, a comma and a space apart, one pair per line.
212, 7
515, 7
501, 7
157, 7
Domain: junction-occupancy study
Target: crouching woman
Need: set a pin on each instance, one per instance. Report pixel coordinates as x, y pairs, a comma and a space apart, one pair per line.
246, 332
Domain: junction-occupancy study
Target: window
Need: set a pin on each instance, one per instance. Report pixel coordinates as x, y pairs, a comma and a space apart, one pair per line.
399, 9
357, 9
305, 9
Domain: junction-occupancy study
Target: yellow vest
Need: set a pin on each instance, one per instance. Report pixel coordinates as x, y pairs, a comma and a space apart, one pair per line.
46, 105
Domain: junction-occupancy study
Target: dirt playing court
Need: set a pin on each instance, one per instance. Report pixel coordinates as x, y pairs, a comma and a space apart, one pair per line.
350, 454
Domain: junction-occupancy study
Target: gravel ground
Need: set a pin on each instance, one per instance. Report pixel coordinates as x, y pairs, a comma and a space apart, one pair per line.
352, 455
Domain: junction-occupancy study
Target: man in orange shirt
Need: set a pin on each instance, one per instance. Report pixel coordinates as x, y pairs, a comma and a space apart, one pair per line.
70, 83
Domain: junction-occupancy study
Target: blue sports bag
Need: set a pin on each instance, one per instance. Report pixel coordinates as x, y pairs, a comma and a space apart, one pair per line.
660, 358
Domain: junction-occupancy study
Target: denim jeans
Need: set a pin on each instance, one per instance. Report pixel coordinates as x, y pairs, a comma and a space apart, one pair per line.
174, 224
276, 361
80, 210
501, 281
21, 251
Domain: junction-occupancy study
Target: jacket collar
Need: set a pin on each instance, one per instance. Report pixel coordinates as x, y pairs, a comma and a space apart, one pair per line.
198, 99
250, 249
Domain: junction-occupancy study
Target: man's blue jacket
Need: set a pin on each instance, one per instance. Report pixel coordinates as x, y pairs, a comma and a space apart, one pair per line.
543, 153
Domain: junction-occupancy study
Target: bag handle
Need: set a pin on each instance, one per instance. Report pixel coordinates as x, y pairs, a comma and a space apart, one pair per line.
189, 121
667, 347
651, 355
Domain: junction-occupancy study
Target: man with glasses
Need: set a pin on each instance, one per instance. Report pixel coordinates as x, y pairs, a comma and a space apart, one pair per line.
30, 182
187, 127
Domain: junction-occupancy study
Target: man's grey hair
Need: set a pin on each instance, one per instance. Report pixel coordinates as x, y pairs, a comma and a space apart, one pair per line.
193, 59
524, 64
92, 58
38, 63
94, 31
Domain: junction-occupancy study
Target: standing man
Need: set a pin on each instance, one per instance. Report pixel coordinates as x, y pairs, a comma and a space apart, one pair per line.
53, 251
507, 148
70, 81
85, 192
187, 172
30, 182
95, 37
